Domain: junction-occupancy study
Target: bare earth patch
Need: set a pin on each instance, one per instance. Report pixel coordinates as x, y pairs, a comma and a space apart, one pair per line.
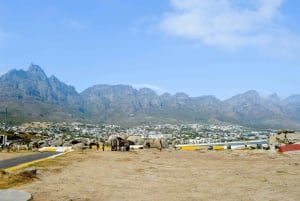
146, 175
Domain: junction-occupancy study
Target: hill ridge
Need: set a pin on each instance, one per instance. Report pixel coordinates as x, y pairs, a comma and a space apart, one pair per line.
31, 95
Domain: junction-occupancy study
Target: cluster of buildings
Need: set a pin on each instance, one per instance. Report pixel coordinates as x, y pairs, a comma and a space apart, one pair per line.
179, 134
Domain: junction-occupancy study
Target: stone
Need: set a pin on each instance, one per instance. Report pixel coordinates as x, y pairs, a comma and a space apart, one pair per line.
30, 170
14, 195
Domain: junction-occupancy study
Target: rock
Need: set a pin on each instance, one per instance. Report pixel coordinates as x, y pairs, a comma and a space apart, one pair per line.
79, 146
14, 195
31, 170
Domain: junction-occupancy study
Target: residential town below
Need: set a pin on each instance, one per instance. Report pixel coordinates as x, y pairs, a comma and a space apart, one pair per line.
178, 134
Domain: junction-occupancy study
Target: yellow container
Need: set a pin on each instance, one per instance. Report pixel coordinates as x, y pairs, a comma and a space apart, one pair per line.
49, 149
218, 147
189, 148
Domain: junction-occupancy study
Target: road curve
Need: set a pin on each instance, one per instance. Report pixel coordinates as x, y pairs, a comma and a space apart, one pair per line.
8, 163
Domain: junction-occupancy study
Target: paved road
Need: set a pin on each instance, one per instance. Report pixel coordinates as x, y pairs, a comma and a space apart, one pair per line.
24, 159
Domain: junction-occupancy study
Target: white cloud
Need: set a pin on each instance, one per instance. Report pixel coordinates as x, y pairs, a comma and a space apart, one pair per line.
228, 23
157, 89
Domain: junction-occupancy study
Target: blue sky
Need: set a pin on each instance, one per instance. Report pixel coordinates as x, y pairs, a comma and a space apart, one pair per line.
200, 47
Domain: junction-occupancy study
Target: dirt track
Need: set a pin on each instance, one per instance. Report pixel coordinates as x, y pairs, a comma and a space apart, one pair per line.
170, 175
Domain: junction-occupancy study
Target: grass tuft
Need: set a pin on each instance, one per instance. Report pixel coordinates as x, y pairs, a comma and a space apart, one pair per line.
17, 179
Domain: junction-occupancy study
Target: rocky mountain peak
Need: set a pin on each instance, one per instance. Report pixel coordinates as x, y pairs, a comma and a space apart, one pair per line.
35, 68
274, 98
251, 94
182, 95
37, 71
147, 91
49, 98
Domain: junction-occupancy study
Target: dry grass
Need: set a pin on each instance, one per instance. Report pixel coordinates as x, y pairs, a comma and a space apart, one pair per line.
54, 165
125, 159
16, 179
172, 175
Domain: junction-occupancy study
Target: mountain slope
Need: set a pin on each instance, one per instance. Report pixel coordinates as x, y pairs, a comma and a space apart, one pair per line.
292, 107
251, 109
32, 96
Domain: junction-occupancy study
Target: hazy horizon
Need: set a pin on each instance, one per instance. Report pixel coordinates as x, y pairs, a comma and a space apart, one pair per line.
220, 48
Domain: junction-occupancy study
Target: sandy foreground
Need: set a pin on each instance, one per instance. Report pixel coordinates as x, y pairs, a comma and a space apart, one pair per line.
145, 175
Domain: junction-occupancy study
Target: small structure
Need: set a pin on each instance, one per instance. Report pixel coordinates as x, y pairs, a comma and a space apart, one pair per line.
154, 143
120, 144
285, 140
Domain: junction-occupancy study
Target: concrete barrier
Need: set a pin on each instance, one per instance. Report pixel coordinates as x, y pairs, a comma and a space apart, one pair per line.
55, 149
14, 195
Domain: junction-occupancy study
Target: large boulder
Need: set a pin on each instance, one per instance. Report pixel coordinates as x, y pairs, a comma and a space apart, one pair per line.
79, 146
154, 143
136, 139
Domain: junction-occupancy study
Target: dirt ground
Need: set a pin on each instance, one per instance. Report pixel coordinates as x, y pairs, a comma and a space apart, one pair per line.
147, 175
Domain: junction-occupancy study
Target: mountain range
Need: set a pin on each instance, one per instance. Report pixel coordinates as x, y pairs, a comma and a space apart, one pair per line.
32, 96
